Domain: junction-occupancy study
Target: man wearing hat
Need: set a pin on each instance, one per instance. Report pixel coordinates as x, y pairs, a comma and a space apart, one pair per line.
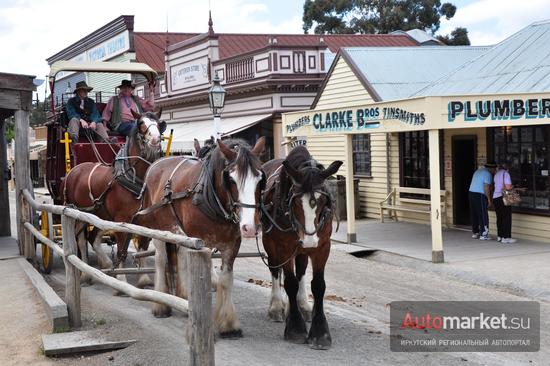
82, 112
119, 108
481, 198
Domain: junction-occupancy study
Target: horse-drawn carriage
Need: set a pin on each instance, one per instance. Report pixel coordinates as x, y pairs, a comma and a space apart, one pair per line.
62, 154
220, 198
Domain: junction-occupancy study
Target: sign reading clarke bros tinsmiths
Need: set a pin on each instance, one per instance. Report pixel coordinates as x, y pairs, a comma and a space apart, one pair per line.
348, 120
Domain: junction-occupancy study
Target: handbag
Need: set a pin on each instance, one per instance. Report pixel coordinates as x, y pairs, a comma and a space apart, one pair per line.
510, 197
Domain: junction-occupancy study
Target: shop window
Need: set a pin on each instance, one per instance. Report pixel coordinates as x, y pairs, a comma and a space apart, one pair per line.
415, 161
525, 151
361, 155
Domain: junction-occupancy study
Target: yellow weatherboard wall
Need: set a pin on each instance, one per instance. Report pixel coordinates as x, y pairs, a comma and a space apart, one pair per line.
343, 91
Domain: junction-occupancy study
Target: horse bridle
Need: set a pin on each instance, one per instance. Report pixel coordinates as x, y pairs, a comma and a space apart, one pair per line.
295, 192
326, 212
295, 225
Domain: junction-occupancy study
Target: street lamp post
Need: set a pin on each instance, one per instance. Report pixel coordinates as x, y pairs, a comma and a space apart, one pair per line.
216, 101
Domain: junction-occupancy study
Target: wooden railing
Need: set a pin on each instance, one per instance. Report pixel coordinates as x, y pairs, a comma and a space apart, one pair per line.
240, 70
198, 306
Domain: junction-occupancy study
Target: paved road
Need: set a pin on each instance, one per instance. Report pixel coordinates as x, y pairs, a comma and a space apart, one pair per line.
359, 290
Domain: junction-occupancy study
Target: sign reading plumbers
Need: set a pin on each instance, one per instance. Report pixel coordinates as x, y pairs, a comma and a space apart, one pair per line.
503, 109
355, 119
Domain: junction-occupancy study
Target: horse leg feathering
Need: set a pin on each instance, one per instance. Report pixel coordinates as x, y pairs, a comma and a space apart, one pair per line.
319, 334
225, 316
295, 329
303, 302
276, 304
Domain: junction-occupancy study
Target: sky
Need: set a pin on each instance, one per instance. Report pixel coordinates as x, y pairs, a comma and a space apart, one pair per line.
32, 30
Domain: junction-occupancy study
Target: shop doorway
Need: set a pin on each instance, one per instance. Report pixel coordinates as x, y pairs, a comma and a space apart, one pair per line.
464, 165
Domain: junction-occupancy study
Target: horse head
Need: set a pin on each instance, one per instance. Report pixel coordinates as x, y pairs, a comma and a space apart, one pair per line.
310, 203
148, 131
242, 180
202, 152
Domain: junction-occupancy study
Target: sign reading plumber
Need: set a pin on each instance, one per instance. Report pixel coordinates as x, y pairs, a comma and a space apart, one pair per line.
498, 109
189, 74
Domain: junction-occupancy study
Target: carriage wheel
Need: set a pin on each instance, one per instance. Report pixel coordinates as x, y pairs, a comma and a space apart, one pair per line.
46, 229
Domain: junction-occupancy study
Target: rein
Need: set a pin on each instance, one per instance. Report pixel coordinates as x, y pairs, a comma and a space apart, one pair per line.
295, 224
90, 139
203, 191
125, 172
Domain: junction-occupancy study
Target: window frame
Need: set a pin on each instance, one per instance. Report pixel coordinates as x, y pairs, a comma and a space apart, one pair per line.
362, 174
401, 138
491, 143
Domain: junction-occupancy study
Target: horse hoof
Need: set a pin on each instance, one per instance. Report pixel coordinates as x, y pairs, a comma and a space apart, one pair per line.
323, 342
295, 337
232, 334
145, 282
277, 315
162, 311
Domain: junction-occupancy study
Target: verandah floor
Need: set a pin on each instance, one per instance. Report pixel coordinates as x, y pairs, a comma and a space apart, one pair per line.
414, 240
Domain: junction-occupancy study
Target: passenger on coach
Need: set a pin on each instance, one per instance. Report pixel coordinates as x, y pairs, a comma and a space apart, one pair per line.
82, 113
119, 108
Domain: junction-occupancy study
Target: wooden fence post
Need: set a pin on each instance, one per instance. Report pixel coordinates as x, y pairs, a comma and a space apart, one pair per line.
72, 274
199, 284
23, 180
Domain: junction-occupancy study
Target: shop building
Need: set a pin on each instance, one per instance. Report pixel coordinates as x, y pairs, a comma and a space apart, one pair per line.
114, 42
264, 75
431, 133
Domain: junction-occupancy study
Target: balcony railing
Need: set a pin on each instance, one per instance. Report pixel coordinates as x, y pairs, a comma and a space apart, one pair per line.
240, 70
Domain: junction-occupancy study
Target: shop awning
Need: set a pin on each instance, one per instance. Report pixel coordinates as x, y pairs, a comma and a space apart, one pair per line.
36, 148
186, 132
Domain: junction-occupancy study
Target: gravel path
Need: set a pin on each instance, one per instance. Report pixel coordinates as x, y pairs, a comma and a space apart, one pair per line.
358, 291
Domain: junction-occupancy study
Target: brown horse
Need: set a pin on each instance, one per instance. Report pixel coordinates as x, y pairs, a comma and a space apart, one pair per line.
297, 225
111, 192
215, 199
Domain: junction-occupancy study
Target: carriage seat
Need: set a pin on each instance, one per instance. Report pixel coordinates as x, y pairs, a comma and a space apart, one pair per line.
100, 107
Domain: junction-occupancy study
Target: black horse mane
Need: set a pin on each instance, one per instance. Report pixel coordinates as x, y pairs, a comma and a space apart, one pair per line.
301, 160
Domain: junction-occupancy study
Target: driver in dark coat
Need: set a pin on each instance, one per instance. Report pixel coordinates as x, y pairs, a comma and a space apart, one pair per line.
82, 113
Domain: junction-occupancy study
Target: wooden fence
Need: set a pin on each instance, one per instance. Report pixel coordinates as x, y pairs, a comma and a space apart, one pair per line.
200, 336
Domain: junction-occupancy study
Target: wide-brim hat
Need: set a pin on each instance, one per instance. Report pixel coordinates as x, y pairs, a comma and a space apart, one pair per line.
490, 164
82, 85
127, 83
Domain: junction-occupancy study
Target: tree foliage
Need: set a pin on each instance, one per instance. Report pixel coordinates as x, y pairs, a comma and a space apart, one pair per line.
376, 16
458, 37
37, 117
10, 129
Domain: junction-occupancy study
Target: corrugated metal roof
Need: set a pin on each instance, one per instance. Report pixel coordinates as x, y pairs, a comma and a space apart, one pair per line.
399, 72
520, 63
235, 44
150, 46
